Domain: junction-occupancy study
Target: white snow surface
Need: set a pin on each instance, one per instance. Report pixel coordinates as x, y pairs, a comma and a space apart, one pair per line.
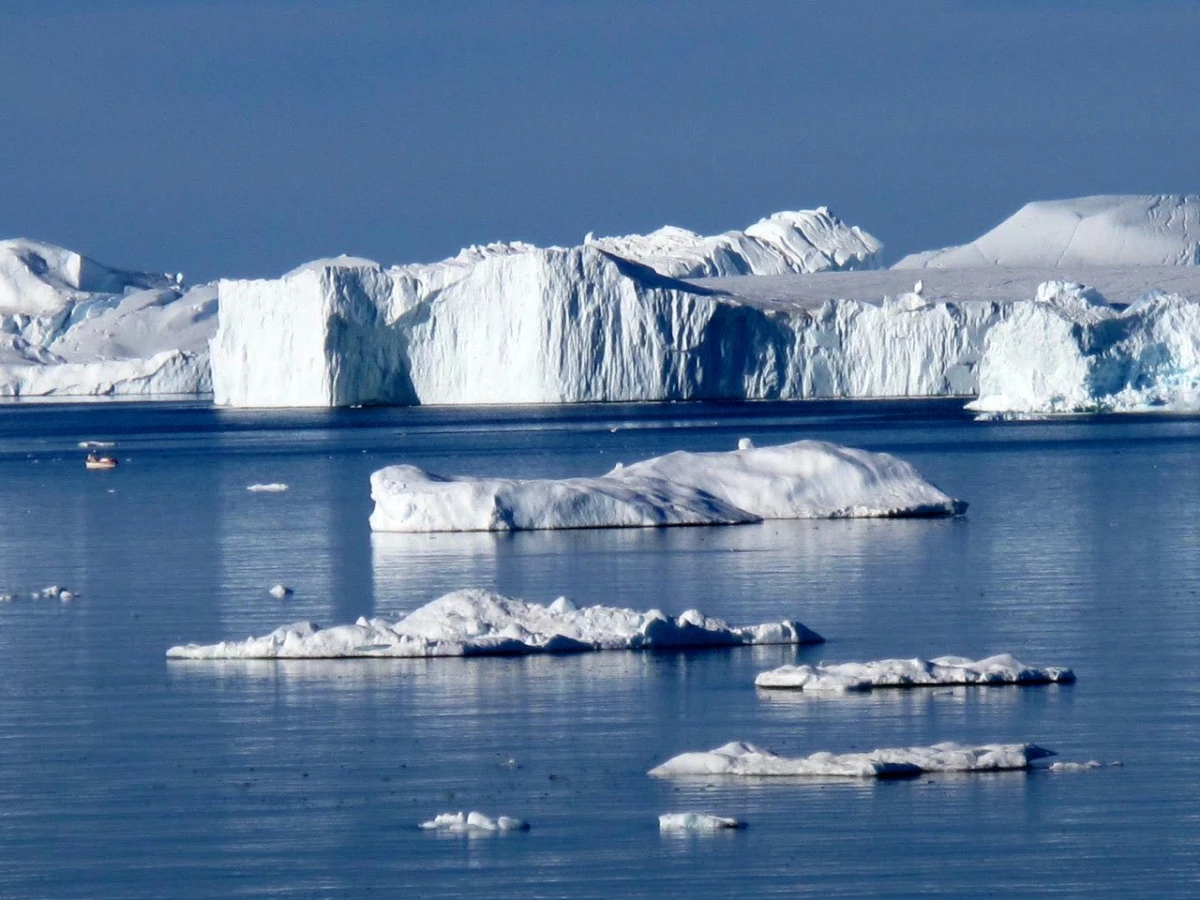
1070, 351
743, 759
693, 821
473, 822
802, 480
481, 623
71, 326
903, 673
274, 487
1146, 230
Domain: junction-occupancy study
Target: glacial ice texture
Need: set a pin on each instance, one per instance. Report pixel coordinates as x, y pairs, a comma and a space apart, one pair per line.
802, 480
904, 673
701, 822
473, 823
481, 623
747, 760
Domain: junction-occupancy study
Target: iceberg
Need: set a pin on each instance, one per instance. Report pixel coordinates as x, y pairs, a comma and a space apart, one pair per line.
703, 822
1070, 351
1147, 230
481, 623
902, 673
274, 487
605, 321
473, 823
802, 480
70, 326
747, 760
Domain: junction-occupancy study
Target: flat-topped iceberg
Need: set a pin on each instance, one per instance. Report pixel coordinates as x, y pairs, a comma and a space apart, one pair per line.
702, 822
903, 673
71, 326
481, 623
473, 823
1114, 230
1069, 351
801, 480
743, 759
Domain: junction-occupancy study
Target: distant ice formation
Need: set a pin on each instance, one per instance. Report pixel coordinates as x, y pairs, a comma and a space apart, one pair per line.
748, 760
802, 480
903, 673
473, 822
1069, 351
692, 821
481, 623
53, 592
71, 326
1151, 230
275, 487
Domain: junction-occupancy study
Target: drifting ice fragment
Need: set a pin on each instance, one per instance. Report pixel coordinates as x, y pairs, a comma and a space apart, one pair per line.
473, 823
901, 673
480, 623
802, 480
696, 822
279, 591
275, 487
748, 760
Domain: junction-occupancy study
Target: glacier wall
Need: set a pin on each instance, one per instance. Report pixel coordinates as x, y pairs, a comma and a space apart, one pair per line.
1068, 351
568, 325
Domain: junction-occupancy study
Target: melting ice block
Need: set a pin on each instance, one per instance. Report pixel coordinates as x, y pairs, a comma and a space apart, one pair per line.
697, 822
901, 673
480, 623
473, 822
803, 480
748, 760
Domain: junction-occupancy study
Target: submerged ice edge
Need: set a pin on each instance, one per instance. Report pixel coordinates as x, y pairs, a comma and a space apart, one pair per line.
944, 671
747, 760
482, 623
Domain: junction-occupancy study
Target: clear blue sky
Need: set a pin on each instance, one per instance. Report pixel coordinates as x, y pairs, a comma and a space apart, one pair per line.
240, 138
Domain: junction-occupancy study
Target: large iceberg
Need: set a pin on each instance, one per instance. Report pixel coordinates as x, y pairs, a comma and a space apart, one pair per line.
606, 321
1146, 230
801, 480
71, 326
747, 760
1070, 351
904, 673
481, 623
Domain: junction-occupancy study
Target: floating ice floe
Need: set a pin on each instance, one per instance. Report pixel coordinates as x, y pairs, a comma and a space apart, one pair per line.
692, 821
52, 592
275, 487
743, 759
96, 445
473, 823
1066, 766
480, 623
903, 673
803, 480
279, 591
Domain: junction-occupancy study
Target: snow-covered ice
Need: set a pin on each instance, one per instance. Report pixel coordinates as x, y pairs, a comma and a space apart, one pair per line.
481, 623
1070, 351
280, 591
473, 822
274, 487
71, 326
903, 673
51, 592
802, 480
1147, 230
743, 759
692, 821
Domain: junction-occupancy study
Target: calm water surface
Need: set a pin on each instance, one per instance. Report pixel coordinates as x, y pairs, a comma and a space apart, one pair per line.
123, 775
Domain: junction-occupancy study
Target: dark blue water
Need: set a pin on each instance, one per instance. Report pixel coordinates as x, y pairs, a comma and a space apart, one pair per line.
124, 776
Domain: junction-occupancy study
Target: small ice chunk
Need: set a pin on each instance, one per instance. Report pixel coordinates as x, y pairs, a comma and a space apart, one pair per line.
747, 760
473, 823
745, 444
275, 487
481, 623
279, 591
1072, 766
902, 673
96, 445
692, 821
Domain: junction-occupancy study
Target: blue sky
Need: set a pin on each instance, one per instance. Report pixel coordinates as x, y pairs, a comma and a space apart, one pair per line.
232, 138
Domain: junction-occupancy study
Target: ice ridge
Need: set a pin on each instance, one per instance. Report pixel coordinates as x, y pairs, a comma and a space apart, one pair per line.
903, 673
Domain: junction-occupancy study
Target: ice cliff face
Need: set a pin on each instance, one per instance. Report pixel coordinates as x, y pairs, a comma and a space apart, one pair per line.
1068, 351
71, 326
516, 324
1153, 230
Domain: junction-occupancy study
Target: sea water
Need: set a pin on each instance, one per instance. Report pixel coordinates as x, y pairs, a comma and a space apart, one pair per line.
125, 775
